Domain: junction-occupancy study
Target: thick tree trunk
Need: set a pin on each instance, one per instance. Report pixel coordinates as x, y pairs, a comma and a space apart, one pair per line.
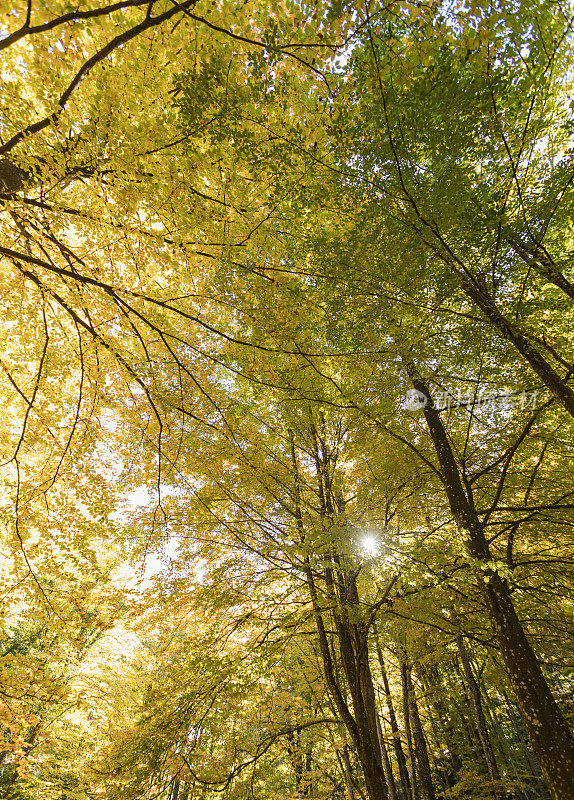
548, 730
476, 701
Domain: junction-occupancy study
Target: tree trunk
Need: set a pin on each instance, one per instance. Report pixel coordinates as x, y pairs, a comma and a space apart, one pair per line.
397, 747
296, 758
348, 773
444, 772
391, 786
408, 733
434, 689
548, 730
361, 723
420, 746
465, 712
343, 603
476, 701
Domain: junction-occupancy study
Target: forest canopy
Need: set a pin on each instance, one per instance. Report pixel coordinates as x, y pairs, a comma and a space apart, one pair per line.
287, 390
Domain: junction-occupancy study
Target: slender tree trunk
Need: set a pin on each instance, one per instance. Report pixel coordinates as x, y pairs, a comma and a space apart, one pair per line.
466, 719
523, 793
343, 603
548, 730
408, 732
434, 690
391, 786
296, 758
354, 658
347, 772
360, 726
475, 698
420, 746
445, 773
397, 747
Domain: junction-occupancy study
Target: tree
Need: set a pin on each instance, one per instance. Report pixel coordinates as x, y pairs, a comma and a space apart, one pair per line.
230, 283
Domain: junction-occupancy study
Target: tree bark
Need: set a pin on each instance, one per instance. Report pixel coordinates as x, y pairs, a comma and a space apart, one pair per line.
548, 730
434, 689
465, 712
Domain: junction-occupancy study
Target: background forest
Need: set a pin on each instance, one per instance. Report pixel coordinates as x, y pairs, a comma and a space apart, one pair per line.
287, 383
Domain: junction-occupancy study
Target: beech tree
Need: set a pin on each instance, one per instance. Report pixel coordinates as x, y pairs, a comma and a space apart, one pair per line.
301, 277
